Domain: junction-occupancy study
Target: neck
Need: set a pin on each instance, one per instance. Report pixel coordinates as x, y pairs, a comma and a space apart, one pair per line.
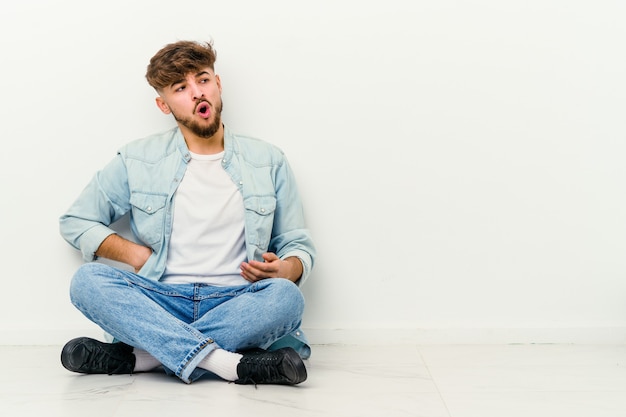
204, 146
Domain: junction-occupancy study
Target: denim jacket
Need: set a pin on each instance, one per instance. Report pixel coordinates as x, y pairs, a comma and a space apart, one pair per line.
142, 179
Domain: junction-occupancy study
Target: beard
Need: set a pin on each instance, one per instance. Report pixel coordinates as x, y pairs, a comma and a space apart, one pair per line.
200, 130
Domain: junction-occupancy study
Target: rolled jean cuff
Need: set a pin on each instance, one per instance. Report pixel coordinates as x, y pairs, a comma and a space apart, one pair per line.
192, 360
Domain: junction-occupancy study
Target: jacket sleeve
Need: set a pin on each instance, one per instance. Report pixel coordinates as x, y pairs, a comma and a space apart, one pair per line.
290, 237
103, 201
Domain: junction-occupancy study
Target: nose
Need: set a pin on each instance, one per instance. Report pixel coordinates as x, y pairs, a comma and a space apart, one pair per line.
195, 90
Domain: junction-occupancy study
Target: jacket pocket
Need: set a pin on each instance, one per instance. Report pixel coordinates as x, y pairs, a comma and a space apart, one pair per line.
259, 219
147, 213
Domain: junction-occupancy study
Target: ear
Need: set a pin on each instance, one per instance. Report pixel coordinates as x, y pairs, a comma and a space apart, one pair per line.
219, 82
162, 105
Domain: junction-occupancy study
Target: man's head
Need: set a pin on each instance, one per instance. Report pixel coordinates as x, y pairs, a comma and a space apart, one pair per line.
176, 60
184, 77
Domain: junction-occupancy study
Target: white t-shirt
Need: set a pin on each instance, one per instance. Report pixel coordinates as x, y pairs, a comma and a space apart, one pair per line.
207, 243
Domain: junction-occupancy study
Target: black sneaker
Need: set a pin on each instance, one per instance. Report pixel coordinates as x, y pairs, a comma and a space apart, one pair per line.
89, 356
283, 366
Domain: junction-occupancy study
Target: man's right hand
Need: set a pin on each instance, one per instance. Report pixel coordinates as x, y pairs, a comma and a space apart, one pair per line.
117, 248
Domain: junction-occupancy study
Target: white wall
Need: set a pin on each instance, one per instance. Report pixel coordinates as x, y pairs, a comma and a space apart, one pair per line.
461, 162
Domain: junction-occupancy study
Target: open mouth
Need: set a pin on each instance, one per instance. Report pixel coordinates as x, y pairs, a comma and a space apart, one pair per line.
203, 110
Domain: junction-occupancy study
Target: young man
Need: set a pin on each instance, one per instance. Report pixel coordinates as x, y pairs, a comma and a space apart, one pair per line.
219, 251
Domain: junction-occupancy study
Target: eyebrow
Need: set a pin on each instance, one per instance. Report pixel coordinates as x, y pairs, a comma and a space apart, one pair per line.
182, 80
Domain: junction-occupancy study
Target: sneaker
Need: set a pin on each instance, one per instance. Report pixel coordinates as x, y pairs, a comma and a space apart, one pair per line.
283, 366
89, 356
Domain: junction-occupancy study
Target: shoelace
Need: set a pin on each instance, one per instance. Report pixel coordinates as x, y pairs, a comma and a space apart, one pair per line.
104, 359
260, 369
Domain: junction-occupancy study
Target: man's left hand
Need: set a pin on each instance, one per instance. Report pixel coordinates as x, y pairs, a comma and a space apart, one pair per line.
273, 267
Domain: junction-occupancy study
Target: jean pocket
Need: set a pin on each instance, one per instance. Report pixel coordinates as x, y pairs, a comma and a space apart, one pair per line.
259, 219
148, 212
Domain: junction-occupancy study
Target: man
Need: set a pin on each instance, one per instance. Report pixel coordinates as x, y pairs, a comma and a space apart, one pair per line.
219, 251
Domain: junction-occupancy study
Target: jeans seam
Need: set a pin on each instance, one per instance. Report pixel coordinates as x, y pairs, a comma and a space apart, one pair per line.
191, 360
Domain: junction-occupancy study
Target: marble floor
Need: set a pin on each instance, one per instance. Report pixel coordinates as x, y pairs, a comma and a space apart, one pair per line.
359, 381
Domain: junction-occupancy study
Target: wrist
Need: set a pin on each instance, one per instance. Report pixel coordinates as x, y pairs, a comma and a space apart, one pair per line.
141, 255
295, 268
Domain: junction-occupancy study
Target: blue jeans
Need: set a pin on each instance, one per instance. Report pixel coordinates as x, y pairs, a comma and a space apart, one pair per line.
181, 324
